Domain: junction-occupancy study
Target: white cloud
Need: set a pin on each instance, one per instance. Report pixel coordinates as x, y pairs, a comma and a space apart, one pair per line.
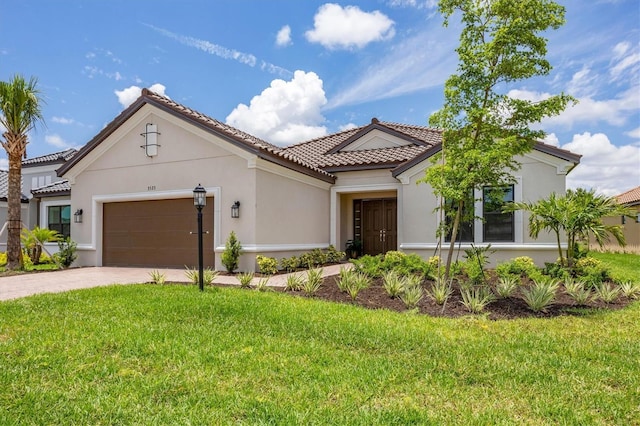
607, 168
349, 27
424, 4
63, 120
348, 126
581, 83
222, 52
417, 63
4, 164
626, 61
612, 111
128, 96
635, 133
283, 38
57, 141
284, 113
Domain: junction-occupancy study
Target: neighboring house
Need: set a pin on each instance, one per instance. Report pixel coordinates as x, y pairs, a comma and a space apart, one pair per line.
631, 225
39, 173
134, 181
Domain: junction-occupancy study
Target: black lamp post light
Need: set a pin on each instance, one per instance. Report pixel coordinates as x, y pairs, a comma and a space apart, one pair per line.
200, 200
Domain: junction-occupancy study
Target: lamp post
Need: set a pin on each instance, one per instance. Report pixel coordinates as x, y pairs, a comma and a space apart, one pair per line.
200, 200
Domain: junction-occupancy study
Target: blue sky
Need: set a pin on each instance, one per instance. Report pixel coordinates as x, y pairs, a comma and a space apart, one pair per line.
290, 70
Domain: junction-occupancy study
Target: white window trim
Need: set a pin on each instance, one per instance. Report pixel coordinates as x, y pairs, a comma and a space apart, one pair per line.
478, 224
44, 213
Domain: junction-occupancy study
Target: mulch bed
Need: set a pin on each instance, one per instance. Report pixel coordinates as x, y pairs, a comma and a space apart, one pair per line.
513, 307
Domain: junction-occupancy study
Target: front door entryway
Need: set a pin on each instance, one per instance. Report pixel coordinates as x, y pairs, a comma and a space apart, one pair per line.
378, 224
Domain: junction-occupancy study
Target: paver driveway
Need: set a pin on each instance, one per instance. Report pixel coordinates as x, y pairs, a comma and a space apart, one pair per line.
17, 286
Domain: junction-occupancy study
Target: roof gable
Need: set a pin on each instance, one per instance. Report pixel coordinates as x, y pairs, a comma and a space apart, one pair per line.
252, 144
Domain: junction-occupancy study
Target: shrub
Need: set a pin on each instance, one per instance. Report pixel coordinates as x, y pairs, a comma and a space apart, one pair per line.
358, 282
157, 277
370, 265
577, 291
393, 284
630, 289
477, 298
507, 285
293, 282
314, 279
193, 275
345, 275
290, 264
3, 259
440, 291
245, 279
608, 293
231, 254
267, 265
66, 254
541, 294
335, 256
411, 296
523, 265
262, 284
317, 257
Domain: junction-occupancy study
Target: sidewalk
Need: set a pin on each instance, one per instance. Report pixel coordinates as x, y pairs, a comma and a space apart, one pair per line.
17, 286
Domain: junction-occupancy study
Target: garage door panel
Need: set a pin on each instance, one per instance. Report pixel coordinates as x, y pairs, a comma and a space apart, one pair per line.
155, 233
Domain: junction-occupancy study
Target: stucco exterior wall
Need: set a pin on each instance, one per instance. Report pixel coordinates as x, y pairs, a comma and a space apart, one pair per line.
119, 170
539, 175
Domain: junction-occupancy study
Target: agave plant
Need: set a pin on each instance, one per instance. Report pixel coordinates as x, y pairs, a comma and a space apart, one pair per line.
630, 289
507, 285
358, 282
540, 295
475, 299
440, 291
608, 293
245, 279
411, 296
393, 284
157, 277
312, 282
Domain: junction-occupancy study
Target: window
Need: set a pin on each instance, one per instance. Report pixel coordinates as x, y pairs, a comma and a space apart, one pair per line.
59, 219
498, 226
465, 231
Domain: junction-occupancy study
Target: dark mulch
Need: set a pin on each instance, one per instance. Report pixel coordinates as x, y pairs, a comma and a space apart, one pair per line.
513, 307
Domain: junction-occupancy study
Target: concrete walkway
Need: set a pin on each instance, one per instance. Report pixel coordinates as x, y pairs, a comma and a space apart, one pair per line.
17, 286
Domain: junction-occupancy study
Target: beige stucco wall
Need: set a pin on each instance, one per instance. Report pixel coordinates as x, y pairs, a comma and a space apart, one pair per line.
24, 215
280, 209
539, 175
630, 229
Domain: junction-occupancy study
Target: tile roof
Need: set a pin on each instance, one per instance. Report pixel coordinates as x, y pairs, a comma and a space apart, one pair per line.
56, 157
630, 197
61, 187
324, 152
4, 187
237, 137
318, 157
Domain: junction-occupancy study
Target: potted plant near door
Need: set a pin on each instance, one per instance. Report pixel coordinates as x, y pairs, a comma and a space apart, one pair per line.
353, 248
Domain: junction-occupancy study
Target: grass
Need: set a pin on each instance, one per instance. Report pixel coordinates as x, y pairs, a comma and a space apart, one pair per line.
147, 354
623, 266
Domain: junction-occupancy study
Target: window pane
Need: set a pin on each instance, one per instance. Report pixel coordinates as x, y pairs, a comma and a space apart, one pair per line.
59, 219
65, 214
465, 231
498, 226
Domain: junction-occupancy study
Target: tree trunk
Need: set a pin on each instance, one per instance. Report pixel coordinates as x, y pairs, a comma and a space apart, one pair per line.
14, 218
454, 235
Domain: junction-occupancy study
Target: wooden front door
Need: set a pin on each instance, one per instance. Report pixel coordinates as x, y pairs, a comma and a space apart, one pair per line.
379, 225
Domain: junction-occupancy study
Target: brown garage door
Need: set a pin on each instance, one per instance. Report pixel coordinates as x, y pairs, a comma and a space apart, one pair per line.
156, 233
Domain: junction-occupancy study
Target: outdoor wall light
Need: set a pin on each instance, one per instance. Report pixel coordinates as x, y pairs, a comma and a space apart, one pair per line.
235, 210
77, 216
150, 140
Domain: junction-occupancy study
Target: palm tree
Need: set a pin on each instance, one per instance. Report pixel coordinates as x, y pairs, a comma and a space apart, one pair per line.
20, 111
33, 241
577, 214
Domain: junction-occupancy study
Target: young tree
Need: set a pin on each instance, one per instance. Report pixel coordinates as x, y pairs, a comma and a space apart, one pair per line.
483, 127
20, 111
577, 214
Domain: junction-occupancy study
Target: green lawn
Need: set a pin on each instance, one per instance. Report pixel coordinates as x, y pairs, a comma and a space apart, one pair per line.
623, 266
148, 354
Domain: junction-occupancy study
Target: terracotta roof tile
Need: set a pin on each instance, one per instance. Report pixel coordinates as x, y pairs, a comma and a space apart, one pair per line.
630, 197
320, 152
